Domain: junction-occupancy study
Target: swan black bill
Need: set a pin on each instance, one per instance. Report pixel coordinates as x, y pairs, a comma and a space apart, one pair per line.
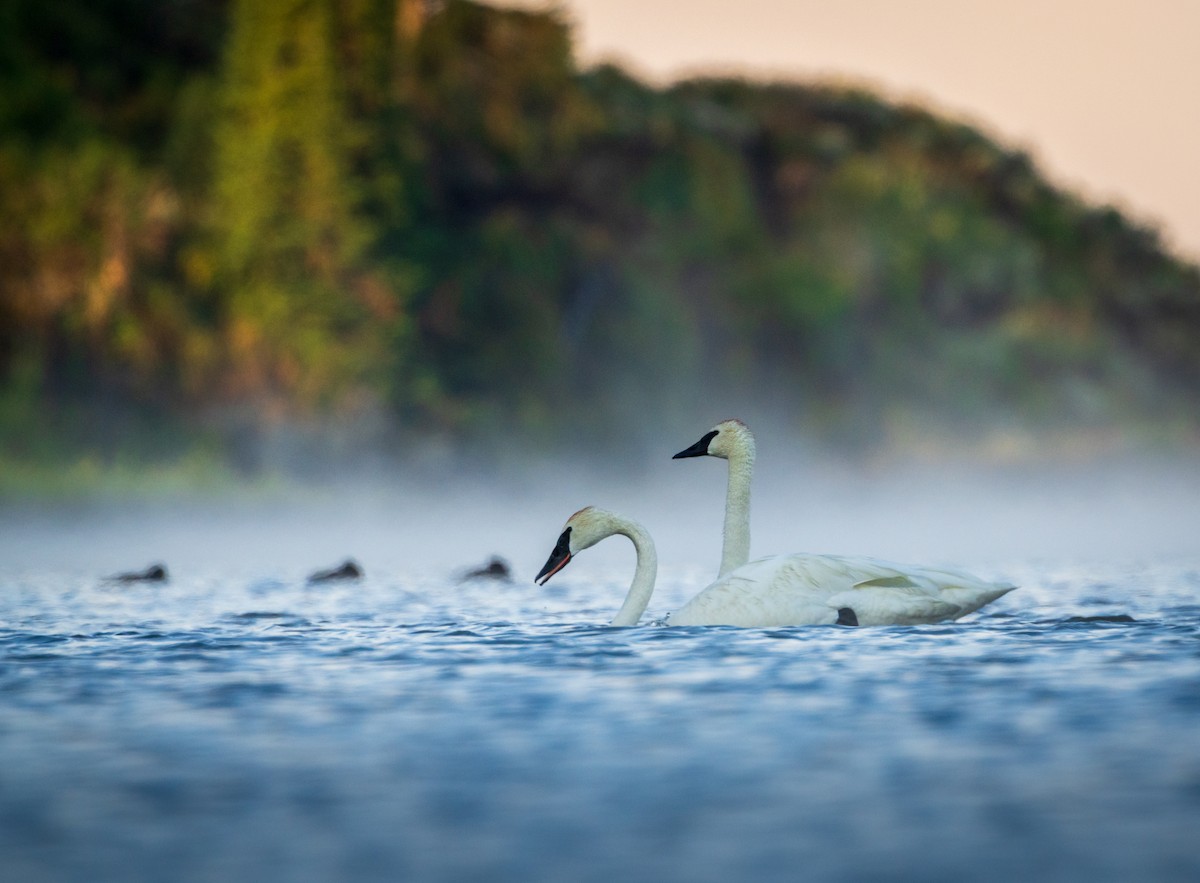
699, 449
559, 558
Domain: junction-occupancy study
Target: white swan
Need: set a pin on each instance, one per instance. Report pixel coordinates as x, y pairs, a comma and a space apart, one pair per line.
732, 440
786, 589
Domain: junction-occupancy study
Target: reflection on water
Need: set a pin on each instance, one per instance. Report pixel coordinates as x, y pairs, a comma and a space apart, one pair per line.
409, 728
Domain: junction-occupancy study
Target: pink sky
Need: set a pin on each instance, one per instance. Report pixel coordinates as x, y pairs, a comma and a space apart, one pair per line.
1104, 94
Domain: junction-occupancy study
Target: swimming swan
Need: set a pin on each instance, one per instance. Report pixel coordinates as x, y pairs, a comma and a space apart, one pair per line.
732, 440
785, 589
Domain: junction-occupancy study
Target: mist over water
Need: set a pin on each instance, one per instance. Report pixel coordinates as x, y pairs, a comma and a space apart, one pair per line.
1122, 508
238, 724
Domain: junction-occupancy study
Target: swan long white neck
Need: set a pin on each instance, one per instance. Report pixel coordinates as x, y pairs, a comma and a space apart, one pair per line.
735, 550
642, 586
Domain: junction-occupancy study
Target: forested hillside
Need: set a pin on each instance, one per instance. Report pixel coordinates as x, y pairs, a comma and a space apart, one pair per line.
391, 219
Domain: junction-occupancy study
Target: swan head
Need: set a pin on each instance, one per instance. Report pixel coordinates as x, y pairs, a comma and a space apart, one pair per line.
725, 440
583, 530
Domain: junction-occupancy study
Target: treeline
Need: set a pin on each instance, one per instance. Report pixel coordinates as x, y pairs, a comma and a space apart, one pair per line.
425, 218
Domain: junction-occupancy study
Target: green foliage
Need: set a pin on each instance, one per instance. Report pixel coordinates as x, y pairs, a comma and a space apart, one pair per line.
287, 239
314, 210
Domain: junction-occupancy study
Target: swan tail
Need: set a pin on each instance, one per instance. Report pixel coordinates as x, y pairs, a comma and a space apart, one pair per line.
972, 599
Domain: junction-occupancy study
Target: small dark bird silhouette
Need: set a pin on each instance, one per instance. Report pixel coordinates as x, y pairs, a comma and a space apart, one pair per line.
497, 569
348, 570
155, 573
1105, 617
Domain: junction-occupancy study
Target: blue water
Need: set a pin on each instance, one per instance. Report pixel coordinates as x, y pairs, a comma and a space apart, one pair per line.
240, 726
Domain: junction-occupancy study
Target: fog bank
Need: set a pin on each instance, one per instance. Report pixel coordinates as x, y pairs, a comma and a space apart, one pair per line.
970, 516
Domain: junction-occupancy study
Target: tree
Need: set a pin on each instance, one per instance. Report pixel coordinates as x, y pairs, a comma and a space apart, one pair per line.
305, 322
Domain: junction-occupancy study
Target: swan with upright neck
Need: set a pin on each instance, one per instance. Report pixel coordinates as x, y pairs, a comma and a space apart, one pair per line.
783, 590
933, 594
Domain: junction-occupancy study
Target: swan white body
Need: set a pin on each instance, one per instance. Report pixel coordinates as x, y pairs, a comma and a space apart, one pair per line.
811, 589
784, 590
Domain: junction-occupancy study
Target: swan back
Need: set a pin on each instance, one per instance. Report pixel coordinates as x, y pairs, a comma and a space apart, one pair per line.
804, 589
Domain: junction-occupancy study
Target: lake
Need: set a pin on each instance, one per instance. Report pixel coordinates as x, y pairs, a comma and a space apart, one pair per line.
236, 724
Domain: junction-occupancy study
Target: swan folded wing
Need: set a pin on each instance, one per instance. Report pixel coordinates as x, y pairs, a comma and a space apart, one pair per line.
922, 595
900, 581
969, 592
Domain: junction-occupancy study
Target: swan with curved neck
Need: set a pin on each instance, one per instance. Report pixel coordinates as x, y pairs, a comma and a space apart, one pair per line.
589, 526
785, 589
731, 440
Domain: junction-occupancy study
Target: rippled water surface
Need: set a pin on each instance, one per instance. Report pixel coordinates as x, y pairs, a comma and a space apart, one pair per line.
242, 726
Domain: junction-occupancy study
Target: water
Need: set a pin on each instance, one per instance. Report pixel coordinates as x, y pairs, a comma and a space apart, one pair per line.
237, 725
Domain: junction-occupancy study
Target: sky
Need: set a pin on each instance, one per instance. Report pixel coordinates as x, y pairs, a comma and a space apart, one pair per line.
1105, 95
